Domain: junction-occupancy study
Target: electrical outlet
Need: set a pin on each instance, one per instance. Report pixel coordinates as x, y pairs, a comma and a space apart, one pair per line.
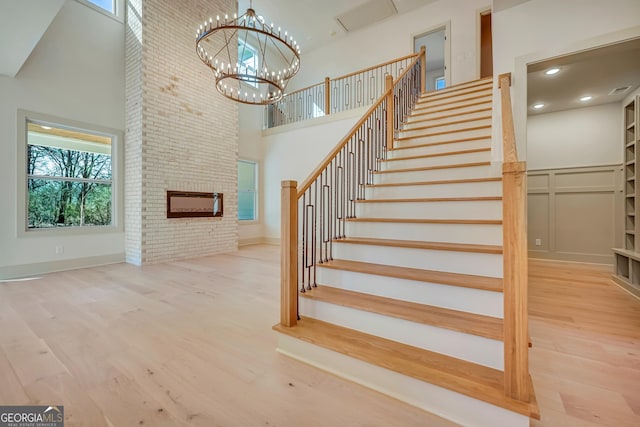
59, 250
538, 242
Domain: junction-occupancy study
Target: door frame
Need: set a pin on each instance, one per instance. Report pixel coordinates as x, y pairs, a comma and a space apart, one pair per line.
447, 46
479, 13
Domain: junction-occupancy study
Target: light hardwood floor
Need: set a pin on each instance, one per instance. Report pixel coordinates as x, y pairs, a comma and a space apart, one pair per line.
190, 343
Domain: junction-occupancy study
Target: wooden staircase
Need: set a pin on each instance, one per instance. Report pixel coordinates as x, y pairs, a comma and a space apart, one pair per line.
414, 291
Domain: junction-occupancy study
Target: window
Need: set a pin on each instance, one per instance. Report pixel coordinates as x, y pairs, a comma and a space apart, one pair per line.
248, 59
108, 5
247, 183
69, 177
440, 83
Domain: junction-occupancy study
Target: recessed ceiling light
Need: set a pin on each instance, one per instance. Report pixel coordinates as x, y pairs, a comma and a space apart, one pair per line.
586, 98
46, 127
538, 106
552, 71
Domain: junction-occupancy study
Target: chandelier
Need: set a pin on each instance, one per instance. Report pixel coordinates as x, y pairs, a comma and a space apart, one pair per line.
251, 61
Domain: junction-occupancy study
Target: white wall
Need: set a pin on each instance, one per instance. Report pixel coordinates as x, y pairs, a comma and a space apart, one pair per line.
293, 155
590, 136
75, 72
250, 118
393, 38
539, 29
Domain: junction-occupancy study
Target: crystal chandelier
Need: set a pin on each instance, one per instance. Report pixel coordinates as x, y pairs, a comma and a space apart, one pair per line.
251, 61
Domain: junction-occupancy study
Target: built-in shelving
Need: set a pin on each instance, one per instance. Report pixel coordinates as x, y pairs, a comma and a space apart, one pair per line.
627, 258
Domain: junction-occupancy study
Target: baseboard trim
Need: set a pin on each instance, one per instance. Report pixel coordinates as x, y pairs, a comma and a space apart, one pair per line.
572, 257
258, 241
27, 270
626, 286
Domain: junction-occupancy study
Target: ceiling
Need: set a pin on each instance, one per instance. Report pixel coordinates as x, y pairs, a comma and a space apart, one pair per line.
594, 72
313, 23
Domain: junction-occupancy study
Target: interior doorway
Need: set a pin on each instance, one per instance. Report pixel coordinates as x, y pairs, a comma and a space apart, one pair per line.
486, 45
436, 42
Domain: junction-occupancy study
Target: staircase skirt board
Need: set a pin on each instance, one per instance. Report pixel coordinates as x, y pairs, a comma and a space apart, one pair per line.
478, 301
479, 264
490, 234
482, 351
437, 400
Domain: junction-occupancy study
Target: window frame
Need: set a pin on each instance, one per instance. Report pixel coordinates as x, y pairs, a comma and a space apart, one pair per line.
118, 6
249, 47
440, 79
117, 172
256, 198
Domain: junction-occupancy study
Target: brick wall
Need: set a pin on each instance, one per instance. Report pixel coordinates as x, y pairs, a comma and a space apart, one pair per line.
181, 134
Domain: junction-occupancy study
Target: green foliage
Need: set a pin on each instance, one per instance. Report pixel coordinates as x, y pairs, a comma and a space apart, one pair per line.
67, 202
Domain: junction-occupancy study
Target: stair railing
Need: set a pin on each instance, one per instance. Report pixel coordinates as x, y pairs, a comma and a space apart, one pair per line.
314, 215
514, 223
353, 90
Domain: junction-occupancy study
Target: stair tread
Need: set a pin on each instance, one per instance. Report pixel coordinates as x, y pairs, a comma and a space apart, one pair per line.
470, 379
454, 122
447, 116
434, 199
460, 321
414, 244
447, 132
427, 106
449, 181
450, 141
429, 221
453, 279
443, 154
488, 90
426, 168
415, 113
460, 86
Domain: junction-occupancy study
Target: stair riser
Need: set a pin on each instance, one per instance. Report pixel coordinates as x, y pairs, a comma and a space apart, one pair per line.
431, 96
440, 105
437, 400
440, 148
436, 174
482, 234
433, 122
453, 297
471, 189
405, 133
428, 137
463, 346
449, 210
451, 98
479, 264
426, 115
482, 156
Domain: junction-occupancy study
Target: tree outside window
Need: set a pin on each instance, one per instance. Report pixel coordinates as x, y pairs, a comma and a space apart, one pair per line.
69, 178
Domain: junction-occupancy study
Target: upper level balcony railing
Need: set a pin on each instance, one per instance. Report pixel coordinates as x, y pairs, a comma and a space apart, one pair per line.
358, 89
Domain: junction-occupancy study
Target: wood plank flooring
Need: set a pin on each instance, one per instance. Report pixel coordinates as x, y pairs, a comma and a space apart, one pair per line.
190, 343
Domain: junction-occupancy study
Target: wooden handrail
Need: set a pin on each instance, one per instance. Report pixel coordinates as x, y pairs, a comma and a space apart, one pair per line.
373, 67
364, 70
318, 170
514, 195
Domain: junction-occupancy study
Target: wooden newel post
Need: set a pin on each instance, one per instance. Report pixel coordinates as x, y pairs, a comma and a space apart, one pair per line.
516, 327
390, 110
327, 96
423, 69
289, 254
